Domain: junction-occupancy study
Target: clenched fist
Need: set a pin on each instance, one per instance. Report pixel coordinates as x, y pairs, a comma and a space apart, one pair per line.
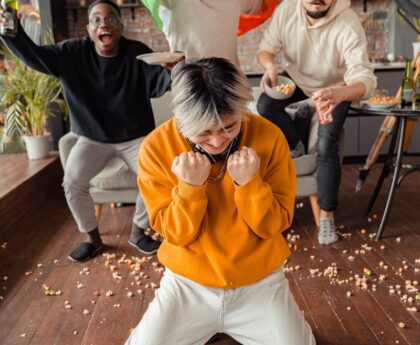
243, 165
192, 168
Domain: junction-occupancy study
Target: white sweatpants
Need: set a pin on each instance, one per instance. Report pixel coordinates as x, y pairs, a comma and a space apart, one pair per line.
184, 312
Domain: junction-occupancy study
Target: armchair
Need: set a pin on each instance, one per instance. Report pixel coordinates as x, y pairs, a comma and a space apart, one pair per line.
116, 183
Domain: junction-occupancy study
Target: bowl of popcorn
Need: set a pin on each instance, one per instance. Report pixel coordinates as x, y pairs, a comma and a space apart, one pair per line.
382, 101
283, 90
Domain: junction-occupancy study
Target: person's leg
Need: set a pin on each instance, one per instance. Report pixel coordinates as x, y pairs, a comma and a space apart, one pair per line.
274, 111
329, 172
265, 313
129, 153
86, 159
182, 313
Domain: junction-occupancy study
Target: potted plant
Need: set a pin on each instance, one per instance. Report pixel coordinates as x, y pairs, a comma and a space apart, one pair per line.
28, 97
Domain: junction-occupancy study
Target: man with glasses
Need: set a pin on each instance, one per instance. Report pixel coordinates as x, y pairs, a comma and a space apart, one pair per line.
108, 92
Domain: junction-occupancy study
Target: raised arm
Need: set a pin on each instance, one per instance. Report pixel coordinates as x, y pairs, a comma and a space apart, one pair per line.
44, 59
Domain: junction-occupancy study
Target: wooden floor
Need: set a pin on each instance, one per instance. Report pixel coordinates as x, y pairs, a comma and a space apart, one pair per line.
323, 279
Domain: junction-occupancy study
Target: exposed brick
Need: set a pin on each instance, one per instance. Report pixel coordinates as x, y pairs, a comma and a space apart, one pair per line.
139, 26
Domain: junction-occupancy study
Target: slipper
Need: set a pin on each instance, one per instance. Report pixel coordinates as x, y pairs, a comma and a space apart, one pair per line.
146, 245
84, 251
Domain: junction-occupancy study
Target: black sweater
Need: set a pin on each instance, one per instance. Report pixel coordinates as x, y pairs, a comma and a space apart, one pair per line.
108, 97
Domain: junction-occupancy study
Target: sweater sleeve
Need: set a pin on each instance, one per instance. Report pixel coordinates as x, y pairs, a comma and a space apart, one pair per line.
266, 203
44, 59
159, 80
271, 41
358, 67
176, 211
251, 6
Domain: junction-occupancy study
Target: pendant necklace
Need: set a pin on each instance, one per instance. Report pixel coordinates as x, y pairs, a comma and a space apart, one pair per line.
222, 169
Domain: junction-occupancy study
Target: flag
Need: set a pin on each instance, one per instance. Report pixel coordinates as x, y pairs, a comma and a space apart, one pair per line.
162, 16
248, 22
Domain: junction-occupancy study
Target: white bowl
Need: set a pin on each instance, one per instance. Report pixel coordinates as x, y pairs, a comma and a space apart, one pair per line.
281, 80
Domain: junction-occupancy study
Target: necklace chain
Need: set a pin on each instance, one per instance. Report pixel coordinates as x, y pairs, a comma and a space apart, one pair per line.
222, 169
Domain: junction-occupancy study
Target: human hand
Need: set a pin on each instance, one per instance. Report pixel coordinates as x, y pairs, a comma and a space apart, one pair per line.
325, 102
28, 10
171, 65
192, 168
243, 165
269, 74
3, 19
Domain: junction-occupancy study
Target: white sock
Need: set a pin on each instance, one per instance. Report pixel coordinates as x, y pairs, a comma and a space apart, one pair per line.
327, 231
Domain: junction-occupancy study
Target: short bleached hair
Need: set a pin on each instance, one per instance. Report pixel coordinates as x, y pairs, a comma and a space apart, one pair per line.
204, 90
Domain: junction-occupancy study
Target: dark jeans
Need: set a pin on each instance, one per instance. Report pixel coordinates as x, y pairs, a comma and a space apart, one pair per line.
329, 165
273, 110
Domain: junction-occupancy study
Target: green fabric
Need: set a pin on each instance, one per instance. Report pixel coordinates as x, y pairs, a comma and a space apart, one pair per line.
153, 7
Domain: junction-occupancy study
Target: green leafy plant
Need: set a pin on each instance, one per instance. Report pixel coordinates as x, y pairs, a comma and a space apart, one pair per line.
27, 96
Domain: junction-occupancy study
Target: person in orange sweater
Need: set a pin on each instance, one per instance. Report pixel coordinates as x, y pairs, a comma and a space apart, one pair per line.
219, 186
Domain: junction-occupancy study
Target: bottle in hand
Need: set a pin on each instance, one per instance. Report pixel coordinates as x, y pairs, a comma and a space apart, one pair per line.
407, 86
10, 8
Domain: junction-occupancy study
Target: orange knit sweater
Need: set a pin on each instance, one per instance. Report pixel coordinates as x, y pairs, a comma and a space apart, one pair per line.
220, 234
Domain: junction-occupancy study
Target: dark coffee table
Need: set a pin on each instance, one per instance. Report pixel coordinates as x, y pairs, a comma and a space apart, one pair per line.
396, 165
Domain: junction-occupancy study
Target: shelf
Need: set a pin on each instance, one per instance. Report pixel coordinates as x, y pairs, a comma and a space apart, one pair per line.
75, 8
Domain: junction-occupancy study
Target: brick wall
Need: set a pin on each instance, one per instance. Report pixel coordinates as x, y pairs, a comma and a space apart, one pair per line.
139, 25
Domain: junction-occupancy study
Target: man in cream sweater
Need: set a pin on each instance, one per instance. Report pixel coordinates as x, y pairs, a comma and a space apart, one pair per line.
324, 44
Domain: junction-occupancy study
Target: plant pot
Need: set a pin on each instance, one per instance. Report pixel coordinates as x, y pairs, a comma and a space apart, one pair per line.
37, 146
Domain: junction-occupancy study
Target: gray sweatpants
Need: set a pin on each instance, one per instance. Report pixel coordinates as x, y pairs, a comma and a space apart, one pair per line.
86, 159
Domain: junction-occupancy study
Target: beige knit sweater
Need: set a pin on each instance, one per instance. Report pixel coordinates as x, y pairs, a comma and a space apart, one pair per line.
331, 52
205, 28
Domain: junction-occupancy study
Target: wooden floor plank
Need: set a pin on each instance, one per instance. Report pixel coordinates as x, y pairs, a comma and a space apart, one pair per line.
349, 315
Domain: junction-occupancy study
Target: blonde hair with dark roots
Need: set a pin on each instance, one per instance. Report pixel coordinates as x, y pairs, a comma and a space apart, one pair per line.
203, 90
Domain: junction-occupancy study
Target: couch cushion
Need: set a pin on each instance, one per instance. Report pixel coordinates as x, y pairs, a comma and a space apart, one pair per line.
305, 165
115, 175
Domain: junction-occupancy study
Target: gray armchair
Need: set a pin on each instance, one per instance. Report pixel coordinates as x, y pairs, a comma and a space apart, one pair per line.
116, 183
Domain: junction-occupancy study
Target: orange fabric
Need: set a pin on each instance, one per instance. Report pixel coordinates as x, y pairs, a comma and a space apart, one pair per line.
220, 234
248, 22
